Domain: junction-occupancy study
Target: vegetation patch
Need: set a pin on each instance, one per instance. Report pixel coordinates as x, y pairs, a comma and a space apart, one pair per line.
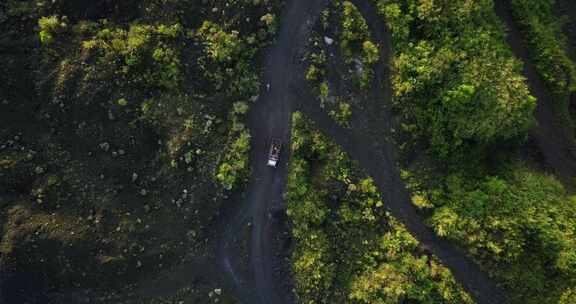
348, 248
457, 86
340, 60
459, 93
548, 49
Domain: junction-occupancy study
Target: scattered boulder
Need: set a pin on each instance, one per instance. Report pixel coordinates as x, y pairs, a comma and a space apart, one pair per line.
105, 146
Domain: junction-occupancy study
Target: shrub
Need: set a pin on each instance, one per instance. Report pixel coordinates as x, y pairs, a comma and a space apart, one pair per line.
49, 27
235, 165
547, 46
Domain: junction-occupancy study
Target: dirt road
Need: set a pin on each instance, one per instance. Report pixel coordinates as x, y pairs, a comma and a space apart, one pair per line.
377, 156
269, 117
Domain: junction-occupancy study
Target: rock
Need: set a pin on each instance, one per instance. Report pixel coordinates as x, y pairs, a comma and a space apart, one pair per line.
218, 291
39, 170
143, 192
188, 157
105, 146
328, 40
121, 152
134, 176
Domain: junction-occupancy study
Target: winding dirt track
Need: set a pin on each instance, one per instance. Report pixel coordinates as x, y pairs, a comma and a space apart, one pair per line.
270, 117
377, 157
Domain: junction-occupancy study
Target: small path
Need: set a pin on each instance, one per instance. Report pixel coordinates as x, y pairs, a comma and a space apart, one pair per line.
554, 140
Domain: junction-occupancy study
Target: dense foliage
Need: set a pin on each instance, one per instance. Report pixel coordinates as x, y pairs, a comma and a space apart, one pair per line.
547, 45
459, 92
455, 81
348, 249
518, 223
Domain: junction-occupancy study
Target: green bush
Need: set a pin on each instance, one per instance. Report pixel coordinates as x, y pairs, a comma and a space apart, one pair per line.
356, 44
234, 168
221, 46
342, 114
355, 31
147, 55
49, 27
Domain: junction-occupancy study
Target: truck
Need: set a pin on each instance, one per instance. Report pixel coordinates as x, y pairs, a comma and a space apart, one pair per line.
274, 152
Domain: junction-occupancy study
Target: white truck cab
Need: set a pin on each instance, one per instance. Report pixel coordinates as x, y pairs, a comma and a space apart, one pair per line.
274, 152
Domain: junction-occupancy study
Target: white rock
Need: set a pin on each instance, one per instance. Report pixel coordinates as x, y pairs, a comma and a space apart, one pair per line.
39, 170
105, 146
328, 40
